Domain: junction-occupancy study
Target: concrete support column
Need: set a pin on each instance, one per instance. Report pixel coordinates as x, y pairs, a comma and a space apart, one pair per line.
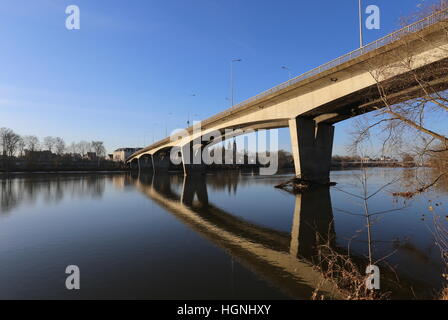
312, 146
139, 167
192, 159
161, 162
146, 163
134, 165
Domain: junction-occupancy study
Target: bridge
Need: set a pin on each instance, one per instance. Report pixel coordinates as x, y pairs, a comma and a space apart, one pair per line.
311, 104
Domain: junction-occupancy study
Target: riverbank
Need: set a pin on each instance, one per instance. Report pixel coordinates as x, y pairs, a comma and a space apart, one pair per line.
17, 173
54, 163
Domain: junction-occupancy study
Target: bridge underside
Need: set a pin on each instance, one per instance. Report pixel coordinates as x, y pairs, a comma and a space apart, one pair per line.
312, 144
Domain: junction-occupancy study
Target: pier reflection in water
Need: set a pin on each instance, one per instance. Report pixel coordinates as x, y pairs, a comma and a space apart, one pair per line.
279, 257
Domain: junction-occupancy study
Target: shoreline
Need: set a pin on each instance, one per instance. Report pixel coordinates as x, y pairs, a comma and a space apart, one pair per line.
62, 172
282, 171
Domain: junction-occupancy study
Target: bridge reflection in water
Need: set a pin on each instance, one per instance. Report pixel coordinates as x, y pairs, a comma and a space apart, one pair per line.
281, 258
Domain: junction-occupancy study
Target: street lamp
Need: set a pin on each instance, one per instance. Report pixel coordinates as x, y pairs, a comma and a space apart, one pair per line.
289, 71
166, 124
361, 38
231, 80
188, 113
195, 116
154, 132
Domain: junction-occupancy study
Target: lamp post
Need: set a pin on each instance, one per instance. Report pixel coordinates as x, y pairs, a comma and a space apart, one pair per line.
188, 114
193, 117
361, 38
231, 80
166, 124
289, 71
154, 132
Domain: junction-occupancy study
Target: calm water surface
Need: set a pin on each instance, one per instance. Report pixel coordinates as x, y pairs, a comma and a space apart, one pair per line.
222, 236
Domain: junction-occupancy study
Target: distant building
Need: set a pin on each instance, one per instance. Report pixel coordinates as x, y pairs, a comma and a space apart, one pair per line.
388, 159
120, 155
76, 156
91, 156
39, 155
366, 160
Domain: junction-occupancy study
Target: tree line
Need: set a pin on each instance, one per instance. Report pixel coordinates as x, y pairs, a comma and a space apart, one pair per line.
15, 145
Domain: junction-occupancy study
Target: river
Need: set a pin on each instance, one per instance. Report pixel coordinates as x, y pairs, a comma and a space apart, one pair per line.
217, 236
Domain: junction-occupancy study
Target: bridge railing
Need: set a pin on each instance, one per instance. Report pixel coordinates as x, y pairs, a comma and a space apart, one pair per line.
394, 36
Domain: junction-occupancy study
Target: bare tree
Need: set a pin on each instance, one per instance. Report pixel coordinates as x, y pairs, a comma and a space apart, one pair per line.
425, 9
84, 147
98, 148
403, 105
59, 145
9, 141
21, 147
407, 105
49, 143
73, 148
439, 159
31, 143
3, 138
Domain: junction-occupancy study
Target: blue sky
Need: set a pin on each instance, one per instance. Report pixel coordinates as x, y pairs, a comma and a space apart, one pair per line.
132, 69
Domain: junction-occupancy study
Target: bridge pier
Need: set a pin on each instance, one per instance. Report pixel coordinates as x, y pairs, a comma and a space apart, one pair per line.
192, 159
133, 165
312, 146
146, 163
161, 162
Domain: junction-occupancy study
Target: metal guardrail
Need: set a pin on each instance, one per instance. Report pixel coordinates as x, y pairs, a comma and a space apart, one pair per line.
394, 36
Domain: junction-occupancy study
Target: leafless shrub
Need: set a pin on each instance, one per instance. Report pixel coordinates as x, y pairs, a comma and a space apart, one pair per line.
441, 236
341, 268
346, 275
444, 295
